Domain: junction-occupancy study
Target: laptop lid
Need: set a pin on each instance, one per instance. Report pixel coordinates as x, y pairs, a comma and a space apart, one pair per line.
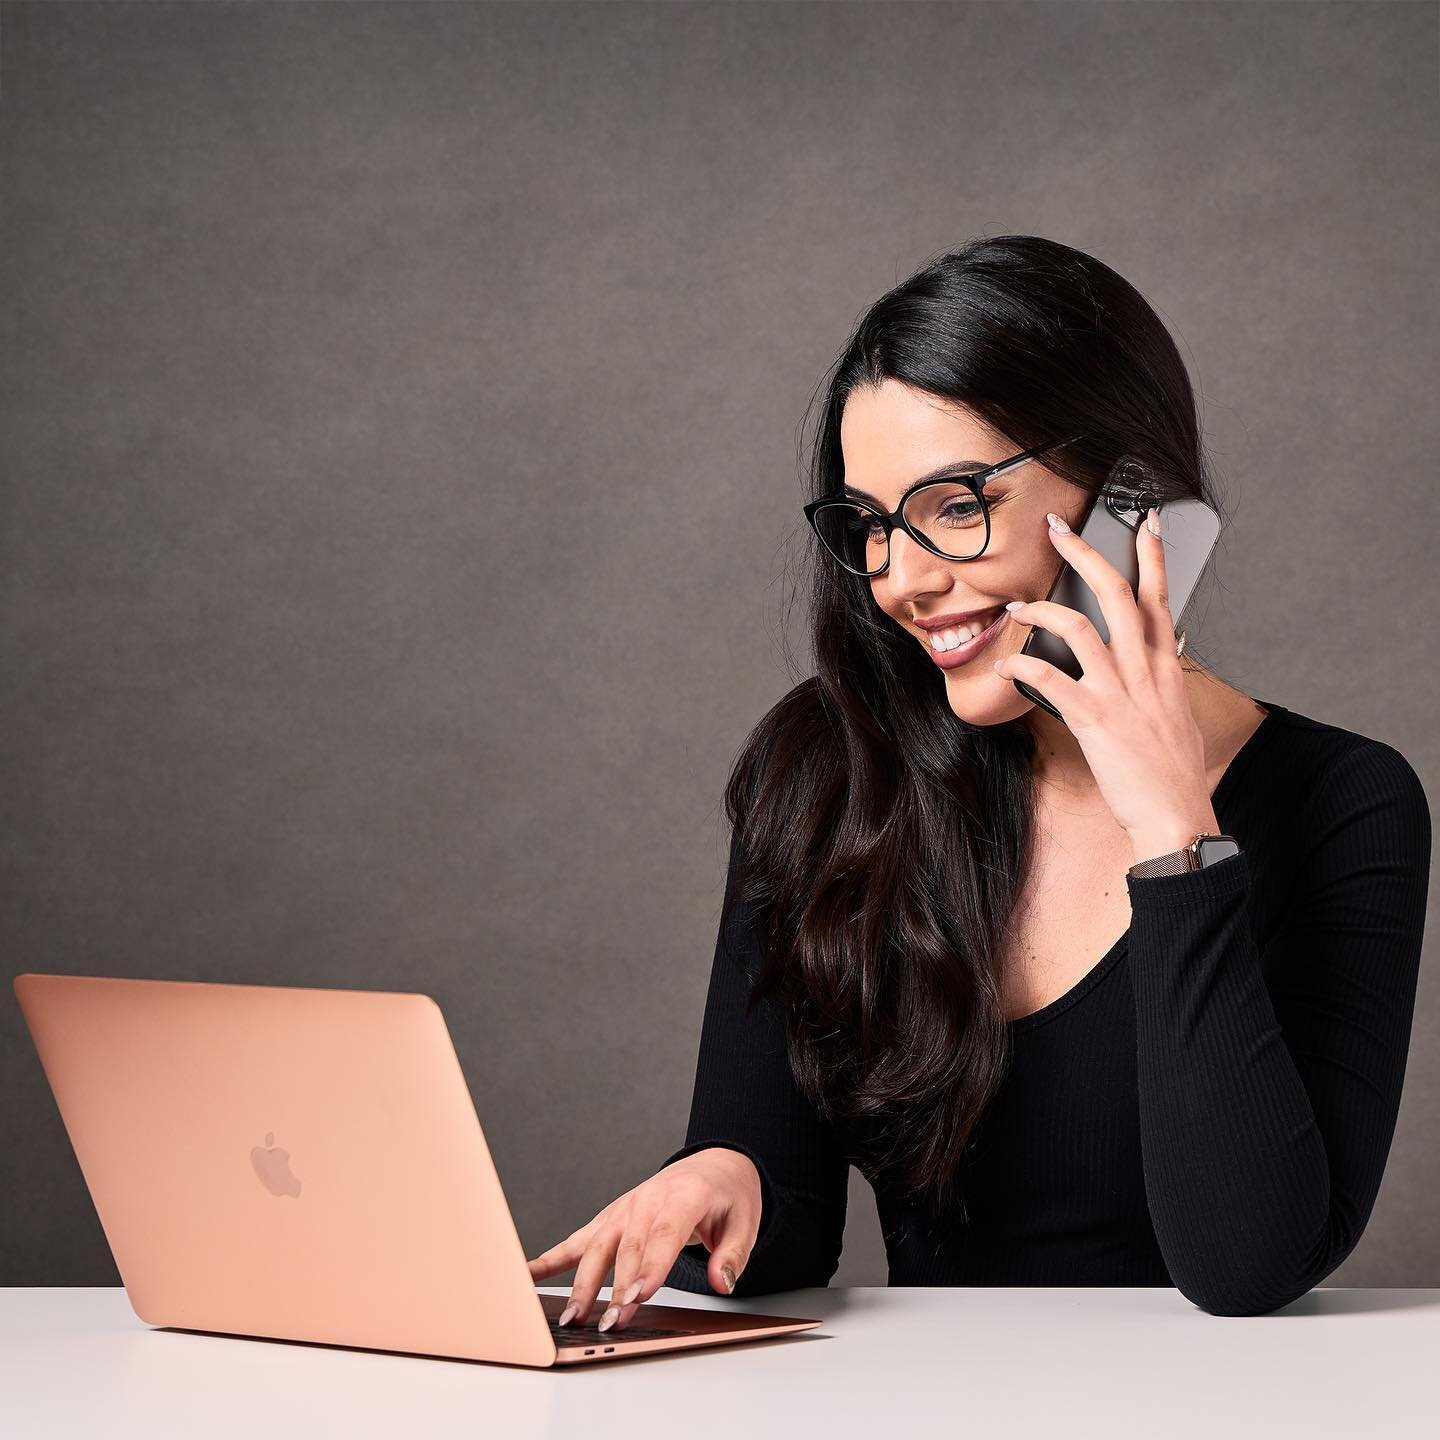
293, 1163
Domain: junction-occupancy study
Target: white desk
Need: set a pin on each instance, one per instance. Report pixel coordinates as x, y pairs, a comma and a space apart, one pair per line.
1107, 1363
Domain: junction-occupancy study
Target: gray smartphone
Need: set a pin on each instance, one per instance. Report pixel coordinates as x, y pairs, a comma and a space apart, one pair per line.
1189, 531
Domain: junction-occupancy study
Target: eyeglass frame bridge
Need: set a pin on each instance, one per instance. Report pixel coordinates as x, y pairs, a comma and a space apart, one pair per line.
975, 480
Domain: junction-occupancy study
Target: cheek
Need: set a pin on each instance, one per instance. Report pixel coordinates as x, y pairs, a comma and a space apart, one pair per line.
880, 593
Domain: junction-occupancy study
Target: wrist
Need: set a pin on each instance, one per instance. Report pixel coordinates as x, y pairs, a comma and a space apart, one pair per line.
1164, 838
733, 1161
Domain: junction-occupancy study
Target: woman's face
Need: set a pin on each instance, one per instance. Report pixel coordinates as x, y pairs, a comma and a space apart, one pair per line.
891, 436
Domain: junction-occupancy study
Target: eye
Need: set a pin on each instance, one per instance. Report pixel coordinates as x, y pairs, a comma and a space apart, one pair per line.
862, 525
959, 511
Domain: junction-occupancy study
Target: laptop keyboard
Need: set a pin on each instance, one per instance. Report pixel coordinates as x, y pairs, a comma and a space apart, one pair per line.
591, 1334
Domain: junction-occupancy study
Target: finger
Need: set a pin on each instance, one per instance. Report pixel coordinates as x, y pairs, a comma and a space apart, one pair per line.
1059, 689
590, 1273
1114, 592
674, 1228
730, 1247
559, 1258
1074, 628
628, 1280
1155, 584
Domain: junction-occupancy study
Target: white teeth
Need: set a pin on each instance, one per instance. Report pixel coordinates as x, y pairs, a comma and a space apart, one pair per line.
956, 635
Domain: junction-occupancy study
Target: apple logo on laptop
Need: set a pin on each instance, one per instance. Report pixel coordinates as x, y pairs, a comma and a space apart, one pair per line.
272, 1165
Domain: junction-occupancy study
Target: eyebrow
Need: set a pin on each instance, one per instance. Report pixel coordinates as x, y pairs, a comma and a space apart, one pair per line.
945, 472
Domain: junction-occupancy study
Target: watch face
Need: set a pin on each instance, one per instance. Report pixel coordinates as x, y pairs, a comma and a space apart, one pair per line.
1215, 847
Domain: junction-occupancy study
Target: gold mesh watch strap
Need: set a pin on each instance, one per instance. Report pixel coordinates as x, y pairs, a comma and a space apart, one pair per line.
1175, 863
1203, 850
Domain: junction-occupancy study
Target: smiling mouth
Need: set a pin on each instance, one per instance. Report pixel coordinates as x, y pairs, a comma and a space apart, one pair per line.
956, 637
955, 656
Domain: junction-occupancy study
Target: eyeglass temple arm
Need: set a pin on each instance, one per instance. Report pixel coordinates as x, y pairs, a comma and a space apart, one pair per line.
1029, 455
982, 475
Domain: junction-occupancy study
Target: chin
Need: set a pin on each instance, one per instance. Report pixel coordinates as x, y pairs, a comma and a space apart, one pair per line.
985, 705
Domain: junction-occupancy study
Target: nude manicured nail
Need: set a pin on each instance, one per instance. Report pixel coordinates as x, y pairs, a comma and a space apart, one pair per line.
609, 1317
632, 1292
569, 1313
728, 1275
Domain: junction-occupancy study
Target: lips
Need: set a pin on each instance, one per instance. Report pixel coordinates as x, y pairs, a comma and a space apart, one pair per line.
947, 622
968, 649
983, 618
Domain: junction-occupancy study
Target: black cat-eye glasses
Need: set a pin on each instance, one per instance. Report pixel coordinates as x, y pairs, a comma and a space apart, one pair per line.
946, 512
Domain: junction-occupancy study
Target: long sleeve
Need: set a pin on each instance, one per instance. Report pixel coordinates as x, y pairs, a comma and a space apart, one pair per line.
746, 1099
1269, 1083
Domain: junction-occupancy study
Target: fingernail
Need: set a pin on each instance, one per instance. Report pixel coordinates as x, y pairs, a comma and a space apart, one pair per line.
609, 1317
728, 1275
1014, 604
569, 1313
1057, 524
1152, 520
632, 1292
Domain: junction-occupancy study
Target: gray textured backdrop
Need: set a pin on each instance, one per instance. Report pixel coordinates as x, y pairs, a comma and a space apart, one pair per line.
399, 479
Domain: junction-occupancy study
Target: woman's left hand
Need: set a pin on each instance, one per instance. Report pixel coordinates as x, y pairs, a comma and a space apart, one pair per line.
1129, 710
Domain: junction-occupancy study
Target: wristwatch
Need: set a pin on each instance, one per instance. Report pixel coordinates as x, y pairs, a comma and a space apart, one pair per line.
1203, 850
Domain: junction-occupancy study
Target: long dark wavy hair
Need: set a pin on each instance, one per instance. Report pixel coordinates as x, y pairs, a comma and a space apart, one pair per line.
882, 839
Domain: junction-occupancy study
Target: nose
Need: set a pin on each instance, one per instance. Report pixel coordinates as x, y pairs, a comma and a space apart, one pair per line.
913, 569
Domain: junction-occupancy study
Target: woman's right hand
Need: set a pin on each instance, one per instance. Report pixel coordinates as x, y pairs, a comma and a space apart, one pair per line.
711, 1198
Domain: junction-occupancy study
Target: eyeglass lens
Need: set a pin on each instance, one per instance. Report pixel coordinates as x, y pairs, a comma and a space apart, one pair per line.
949, 516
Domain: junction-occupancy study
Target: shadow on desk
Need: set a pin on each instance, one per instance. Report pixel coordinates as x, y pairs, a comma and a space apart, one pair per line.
1350, 1302
770, 1342
830, 1305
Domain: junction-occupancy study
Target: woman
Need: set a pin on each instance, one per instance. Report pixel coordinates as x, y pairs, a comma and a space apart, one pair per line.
981, 973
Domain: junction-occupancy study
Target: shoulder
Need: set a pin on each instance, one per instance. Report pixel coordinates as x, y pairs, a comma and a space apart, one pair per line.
803, 705
1328, 773
792, 734
788, 745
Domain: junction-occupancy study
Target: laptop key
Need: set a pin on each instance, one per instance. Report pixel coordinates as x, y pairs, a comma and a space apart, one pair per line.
587, 1334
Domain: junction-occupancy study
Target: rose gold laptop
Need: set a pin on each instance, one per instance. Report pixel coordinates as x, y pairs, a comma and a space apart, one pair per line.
308, 1165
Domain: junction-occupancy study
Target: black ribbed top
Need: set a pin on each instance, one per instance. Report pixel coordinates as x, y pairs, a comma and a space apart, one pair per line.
1210, 1107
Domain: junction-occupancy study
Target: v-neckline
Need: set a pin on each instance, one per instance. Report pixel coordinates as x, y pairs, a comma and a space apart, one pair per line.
1243, 757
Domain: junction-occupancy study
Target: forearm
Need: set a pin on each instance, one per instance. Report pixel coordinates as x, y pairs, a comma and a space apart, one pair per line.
1236, 1172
